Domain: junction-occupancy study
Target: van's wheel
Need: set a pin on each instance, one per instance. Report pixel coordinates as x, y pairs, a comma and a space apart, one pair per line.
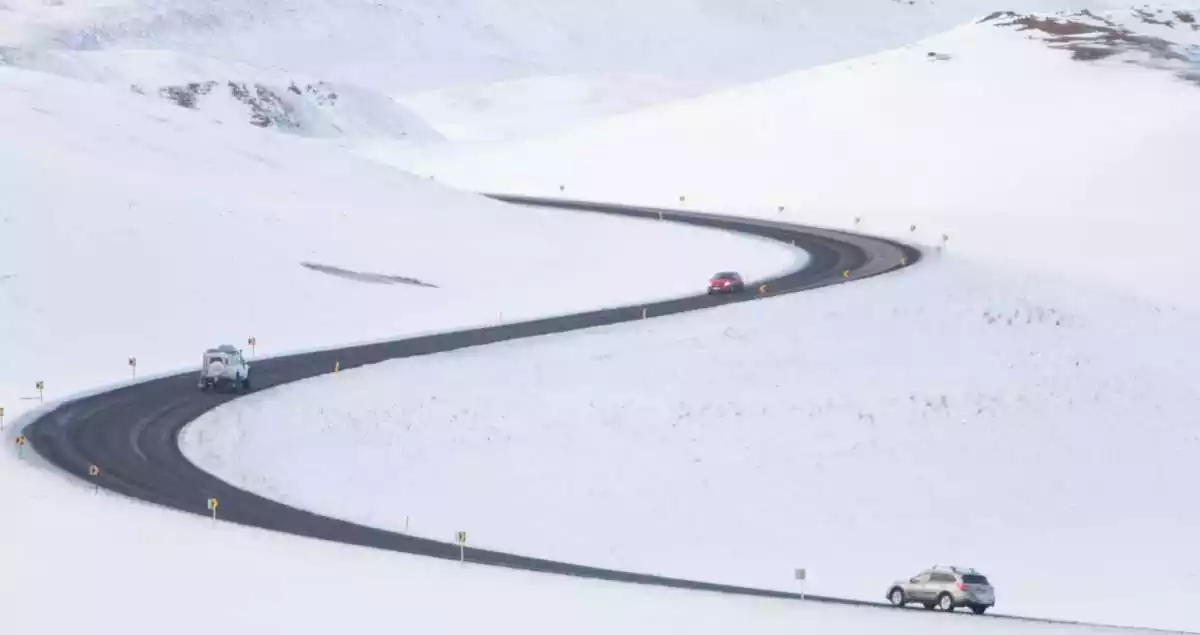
246, 385
896, 597
945, 603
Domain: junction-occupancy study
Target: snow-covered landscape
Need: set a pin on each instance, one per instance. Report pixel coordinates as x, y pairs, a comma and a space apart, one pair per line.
158, 235
983, 148
1018, 429
174, 175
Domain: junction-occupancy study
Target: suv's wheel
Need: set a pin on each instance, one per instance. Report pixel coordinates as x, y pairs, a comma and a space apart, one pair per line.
945, 602
246, 384
896, 597
978, 608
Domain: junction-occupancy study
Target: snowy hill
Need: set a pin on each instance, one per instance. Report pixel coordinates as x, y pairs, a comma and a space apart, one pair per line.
408, 46
135, 228
249, 581
608, 58
1020, 402
1019, 153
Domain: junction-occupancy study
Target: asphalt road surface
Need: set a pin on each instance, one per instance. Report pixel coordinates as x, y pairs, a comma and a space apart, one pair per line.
132, 432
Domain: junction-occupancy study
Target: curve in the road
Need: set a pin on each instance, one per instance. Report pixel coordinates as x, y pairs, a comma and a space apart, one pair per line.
132, 432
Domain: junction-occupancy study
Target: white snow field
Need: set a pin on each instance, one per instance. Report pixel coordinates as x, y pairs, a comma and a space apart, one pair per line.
77, 561
948, 414
134, 228
1021, 402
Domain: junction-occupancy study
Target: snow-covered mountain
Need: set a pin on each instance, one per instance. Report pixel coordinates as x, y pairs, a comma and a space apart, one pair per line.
459, 56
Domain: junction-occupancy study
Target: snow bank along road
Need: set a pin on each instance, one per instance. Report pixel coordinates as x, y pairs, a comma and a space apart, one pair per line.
131, 433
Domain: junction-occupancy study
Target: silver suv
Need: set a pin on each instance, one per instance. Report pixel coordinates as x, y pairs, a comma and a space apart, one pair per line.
224, 367
945, 589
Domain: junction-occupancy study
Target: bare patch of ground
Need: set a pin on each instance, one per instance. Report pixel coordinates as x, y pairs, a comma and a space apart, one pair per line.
362, 276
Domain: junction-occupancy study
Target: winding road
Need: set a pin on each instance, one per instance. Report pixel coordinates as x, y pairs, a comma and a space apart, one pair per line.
132, 432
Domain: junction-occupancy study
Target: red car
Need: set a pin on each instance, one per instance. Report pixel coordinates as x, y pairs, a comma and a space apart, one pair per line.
726, 282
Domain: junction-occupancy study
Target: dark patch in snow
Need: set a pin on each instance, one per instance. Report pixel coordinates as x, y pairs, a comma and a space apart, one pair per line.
268, 108
360, 276
1091, 53
186, 95
1151, 18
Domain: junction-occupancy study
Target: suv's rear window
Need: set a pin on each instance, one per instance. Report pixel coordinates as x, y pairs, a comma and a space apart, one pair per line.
972, 578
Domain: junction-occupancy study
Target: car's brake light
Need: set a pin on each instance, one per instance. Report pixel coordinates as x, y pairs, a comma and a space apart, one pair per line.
962, 586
